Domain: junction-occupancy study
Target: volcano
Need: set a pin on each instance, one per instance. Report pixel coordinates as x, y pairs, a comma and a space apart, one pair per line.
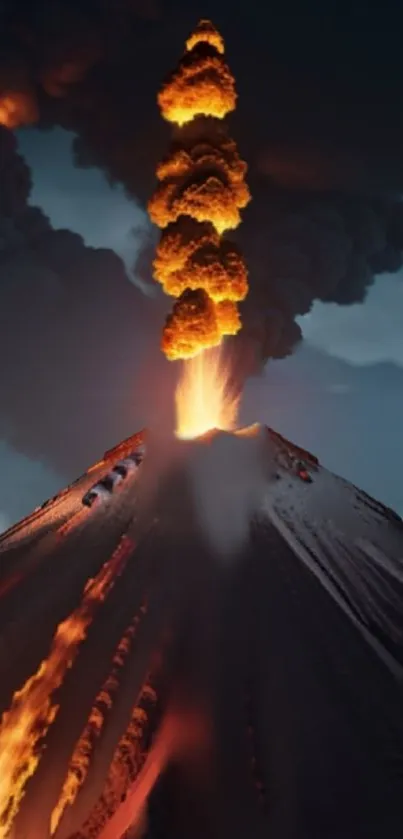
216, 649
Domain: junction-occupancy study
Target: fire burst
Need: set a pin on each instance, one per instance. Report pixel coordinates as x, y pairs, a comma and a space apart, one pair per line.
200, 194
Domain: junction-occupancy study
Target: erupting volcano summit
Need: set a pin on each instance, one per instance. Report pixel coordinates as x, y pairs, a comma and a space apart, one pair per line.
202, 636
200, 194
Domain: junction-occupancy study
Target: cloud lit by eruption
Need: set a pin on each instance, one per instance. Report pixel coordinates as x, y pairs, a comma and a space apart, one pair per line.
182, 735
206, 33
202, 189
192, 326
203, 261
17, 108
204, 197
201, 84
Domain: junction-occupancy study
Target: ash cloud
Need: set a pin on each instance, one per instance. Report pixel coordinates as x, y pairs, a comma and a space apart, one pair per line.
73, 329
319, 122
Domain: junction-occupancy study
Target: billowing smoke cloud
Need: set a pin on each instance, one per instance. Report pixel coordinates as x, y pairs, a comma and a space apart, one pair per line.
317, 154
73, 329
316, 246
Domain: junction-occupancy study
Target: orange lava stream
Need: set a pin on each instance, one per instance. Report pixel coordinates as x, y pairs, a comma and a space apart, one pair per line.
132, 808
32, 710
81, 757
127, 761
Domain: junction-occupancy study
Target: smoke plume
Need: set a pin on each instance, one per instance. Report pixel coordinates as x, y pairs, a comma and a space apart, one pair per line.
325, 171
201, 191
72, 326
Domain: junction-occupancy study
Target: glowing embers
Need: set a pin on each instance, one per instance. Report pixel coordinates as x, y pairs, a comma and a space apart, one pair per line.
205, 398
206, 32
127, 761
202, 84
32, 710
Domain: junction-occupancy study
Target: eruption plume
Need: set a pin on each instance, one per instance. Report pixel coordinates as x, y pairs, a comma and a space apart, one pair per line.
206, 33
32, 710
200, 194
202, 84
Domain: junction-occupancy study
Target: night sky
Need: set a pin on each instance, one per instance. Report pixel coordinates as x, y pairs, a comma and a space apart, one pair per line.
320, 122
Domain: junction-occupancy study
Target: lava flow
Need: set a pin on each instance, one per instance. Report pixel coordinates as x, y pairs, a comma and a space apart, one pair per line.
81, 757
200, 194
32, 710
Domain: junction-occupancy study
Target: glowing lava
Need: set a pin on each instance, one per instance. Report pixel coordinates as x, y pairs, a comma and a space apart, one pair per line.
81, 757
127, 762
32, 710
181, 733
205, 398
200, 194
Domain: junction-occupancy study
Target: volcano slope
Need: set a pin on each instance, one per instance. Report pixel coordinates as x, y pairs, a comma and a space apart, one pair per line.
286, 651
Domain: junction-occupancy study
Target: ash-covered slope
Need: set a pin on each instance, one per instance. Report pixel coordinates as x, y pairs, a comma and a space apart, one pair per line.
288, 644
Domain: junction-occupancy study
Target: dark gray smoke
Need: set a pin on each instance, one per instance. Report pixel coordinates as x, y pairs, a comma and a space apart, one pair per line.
73, 330
317, 246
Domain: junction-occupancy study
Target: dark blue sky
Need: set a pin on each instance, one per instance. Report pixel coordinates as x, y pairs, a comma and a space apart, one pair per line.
340, 395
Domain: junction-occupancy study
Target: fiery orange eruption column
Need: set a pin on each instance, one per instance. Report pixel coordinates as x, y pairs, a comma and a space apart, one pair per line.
199, 196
